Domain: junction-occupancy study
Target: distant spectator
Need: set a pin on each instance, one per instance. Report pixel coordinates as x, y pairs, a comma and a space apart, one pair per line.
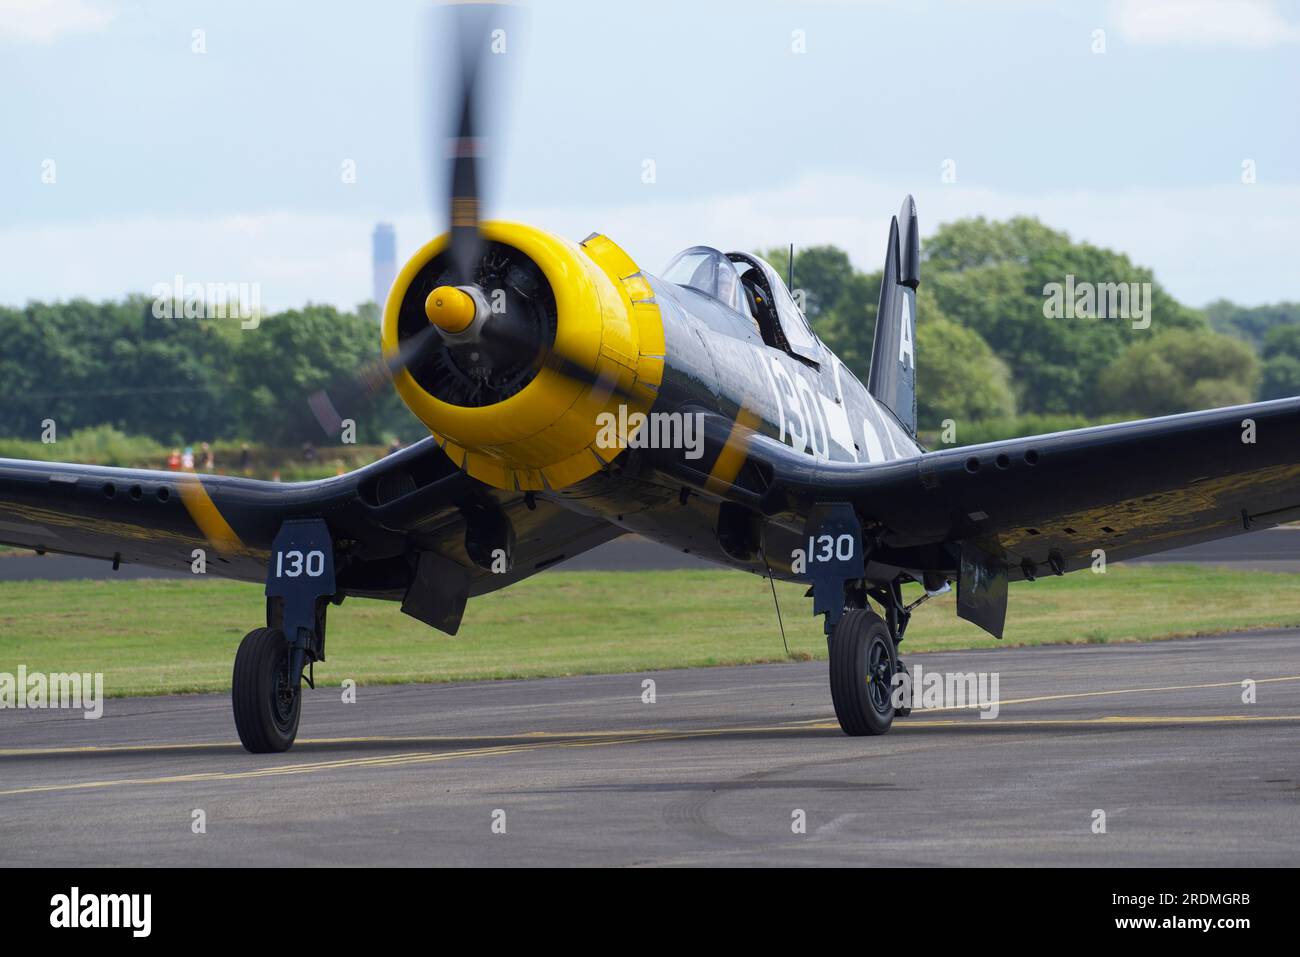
308, 452
245, 459
209, 459
394, 446
187, 459
174, 460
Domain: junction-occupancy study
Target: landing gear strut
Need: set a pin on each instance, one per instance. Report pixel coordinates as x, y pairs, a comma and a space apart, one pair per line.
863, 645
266, 688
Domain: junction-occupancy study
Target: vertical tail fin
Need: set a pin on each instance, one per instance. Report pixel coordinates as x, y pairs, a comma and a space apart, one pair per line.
893, 355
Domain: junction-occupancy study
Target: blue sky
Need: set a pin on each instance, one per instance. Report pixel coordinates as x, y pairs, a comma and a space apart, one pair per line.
226, 165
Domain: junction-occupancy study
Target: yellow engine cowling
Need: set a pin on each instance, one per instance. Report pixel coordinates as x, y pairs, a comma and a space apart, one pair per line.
545, 435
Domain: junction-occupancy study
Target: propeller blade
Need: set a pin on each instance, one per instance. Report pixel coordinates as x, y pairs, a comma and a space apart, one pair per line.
368, 382
374, 378
473, 28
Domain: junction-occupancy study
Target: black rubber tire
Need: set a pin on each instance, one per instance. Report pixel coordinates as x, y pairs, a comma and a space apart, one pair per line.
265, 723
859, 638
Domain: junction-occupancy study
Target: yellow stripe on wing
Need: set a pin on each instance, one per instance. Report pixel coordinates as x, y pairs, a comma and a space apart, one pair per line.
207, 516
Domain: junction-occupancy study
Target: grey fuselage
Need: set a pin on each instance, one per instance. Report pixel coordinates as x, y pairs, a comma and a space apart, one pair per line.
717, 362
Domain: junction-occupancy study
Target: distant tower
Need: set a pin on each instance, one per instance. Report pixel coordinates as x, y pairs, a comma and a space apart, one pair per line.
384, 245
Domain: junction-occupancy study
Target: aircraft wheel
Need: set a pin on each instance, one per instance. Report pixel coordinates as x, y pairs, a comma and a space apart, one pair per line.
266, 707
862, 669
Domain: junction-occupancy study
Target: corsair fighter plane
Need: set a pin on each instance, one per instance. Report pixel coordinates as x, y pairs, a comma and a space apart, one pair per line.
738, 437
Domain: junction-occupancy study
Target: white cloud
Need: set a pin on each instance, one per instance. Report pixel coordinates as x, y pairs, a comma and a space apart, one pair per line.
295, 257
44, 21
1232, 23
1202, 242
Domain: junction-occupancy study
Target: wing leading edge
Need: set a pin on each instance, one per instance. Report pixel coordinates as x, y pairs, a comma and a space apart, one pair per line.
1048, 503
403, 527
1131, 489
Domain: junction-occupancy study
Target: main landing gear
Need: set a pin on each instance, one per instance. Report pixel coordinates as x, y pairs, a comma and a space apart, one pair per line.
863, 662
266, 688
862, 666
268, 702
863, 645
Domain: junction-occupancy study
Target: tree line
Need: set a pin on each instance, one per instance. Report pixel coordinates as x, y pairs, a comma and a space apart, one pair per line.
989, 345
178, 380
989, 349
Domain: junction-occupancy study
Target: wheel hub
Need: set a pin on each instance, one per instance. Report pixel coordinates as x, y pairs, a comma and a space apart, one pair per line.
283, 696
879, 677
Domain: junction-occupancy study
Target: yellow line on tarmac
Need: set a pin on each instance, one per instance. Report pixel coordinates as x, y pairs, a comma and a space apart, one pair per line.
1181, 719
92, 749
433, 739
274, 771
1093, 694
601, 738
110, 748
579, 739
1099, 694
902, 724
551, 735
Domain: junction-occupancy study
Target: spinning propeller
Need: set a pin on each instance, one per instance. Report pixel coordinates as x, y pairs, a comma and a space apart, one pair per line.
459, 312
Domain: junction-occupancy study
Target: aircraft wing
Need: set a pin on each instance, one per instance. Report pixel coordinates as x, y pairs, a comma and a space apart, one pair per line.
1132, 488
1043, 504
384, 520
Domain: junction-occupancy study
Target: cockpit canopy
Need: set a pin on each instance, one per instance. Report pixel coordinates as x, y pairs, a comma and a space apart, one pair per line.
750, 286
766, 283
707, 270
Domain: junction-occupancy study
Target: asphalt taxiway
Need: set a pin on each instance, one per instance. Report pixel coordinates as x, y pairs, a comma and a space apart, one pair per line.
717, 771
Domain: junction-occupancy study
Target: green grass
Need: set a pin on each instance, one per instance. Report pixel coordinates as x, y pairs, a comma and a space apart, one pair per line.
101, 445
151, 637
